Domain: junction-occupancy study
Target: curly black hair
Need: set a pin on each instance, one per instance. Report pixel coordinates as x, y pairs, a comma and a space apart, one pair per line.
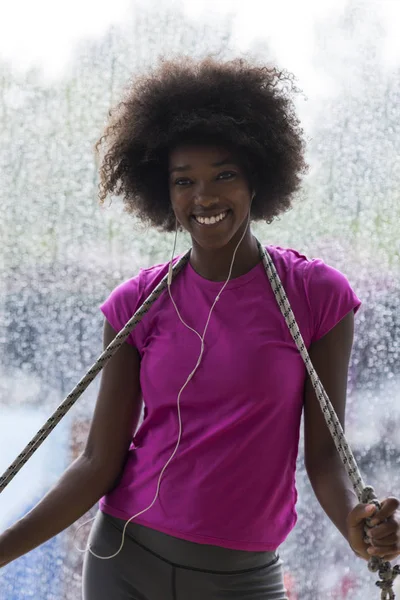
235, 103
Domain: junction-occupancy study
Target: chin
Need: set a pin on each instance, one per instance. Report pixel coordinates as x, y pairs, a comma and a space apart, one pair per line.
213, 242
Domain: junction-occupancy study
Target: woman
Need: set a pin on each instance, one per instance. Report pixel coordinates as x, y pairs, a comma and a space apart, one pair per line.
198, 503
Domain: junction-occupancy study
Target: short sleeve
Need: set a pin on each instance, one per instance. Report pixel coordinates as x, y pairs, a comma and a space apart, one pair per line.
122, 304
330, 297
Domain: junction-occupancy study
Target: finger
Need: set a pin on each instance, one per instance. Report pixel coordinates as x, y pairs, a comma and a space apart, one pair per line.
360, 513
388, 507
383, 550
384, 530
389, 540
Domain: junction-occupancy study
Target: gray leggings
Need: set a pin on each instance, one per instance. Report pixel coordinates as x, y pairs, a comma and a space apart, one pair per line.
156, 566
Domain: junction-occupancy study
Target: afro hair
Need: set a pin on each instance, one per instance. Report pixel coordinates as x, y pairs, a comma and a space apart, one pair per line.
235, 103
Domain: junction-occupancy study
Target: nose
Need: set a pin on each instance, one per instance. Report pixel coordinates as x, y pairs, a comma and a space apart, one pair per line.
205, 194
205, 200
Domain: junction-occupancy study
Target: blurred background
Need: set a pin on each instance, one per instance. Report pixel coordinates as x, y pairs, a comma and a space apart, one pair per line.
62, 66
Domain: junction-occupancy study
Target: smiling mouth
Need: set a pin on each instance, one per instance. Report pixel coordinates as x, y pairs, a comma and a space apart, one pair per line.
214, 220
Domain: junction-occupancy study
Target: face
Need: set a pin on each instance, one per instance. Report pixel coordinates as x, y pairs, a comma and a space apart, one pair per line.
209, 192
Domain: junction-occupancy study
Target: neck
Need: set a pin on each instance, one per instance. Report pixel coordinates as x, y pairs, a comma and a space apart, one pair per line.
214, 264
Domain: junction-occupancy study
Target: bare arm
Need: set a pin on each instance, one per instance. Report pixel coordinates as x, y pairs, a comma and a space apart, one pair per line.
330, 357
95, 471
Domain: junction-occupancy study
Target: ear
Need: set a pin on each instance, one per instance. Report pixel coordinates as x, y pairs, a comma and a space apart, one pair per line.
178, 226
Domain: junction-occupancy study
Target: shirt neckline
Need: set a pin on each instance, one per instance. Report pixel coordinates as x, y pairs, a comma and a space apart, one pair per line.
232, 283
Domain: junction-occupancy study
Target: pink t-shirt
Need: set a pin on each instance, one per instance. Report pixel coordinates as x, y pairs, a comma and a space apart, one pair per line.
232, 481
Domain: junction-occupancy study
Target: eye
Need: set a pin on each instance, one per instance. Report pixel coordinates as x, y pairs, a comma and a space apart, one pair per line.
184, 181
227, 175
181, 181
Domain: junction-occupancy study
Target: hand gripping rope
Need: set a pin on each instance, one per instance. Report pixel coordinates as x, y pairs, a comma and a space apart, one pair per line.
365, 494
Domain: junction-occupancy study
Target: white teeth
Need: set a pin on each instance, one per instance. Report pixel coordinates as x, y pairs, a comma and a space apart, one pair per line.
211, 220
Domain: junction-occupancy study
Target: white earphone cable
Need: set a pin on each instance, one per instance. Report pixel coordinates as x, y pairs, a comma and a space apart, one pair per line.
201, 337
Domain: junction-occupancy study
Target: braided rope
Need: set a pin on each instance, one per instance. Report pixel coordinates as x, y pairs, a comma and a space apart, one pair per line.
81, 386
364, 493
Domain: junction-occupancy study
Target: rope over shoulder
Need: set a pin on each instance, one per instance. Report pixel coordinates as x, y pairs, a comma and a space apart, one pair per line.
365, 494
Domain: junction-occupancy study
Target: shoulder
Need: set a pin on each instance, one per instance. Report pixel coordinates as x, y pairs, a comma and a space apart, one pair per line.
312, 271
127, 297
288, 261
140, 285
328, 295
293, 268
286, 256
323, 282
150, 277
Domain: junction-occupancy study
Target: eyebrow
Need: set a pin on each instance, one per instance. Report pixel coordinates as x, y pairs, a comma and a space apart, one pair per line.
229, 160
